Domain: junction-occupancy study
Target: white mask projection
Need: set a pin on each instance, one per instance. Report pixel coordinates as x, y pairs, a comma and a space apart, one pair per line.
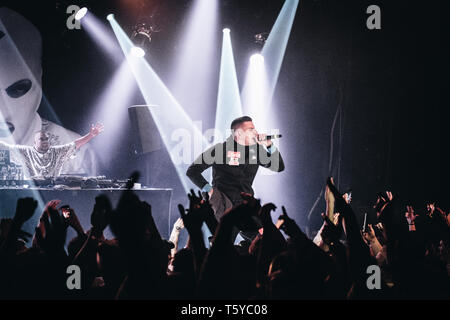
21, 92
20, 76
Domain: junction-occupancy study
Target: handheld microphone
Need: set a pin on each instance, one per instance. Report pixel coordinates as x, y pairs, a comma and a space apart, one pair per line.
270, 137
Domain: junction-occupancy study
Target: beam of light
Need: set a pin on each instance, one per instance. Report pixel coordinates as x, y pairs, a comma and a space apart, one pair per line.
275, 46
256, 105
255, 93
228, 99
273, 53
81, 13
111, 108
103, 36
178, 133
137, 52
191, 79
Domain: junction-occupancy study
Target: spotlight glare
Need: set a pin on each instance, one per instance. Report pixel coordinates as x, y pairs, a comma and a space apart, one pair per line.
226, 30
193, 65
255, 92
257, 58
137, 52
81, 13
109, 17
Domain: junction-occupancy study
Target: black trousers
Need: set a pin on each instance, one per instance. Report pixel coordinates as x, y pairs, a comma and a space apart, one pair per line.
220, 203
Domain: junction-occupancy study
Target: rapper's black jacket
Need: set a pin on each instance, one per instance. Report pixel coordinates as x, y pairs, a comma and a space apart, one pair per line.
234, 167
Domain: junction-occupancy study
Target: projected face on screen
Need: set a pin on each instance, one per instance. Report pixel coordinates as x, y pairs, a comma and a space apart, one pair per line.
20, 76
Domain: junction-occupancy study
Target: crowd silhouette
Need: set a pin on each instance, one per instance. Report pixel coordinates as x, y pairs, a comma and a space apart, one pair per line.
411, 250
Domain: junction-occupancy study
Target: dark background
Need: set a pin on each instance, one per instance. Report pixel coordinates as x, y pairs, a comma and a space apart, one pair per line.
390, 134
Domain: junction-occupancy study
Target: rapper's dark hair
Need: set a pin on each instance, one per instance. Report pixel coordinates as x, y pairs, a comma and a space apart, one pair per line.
236, 122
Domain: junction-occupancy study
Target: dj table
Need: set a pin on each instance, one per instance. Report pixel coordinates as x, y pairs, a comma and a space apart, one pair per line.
82, 201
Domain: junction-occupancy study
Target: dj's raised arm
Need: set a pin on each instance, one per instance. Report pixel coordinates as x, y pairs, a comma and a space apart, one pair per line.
95, 131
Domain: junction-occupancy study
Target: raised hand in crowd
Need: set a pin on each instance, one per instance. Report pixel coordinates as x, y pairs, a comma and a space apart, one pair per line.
100, 214
25, 210
193, 219
51, 232
371, 240
72, 220
331, 231
289, 226
272, 241
411, 217
11, 229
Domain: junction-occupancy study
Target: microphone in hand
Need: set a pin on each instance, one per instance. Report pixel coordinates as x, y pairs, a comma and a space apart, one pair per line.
263, 137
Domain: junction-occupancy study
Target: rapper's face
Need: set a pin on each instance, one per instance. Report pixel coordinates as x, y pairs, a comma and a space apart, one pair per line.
246, 133
20, 90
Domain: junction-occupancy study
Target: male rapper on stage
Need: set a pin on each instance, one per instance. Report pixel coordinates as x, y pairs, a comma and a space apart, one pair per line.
235, 163
43, 160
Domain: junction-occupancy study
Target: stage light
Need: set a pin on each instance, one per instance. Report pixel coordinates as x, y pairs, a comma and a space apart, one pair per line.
180, 135
109, 17
98, 30
81, 13
142, 34
191, 79
137, 52
255, 92
257, 58
229, 105
261, 38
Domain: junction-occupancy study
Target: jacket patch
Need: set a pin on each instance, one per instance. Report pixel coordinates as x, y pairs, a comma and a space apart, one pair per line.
234, 158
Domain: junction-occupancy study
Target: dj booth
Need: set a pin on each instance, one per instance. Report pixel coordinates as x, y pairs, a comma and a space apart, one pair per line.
82, 200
